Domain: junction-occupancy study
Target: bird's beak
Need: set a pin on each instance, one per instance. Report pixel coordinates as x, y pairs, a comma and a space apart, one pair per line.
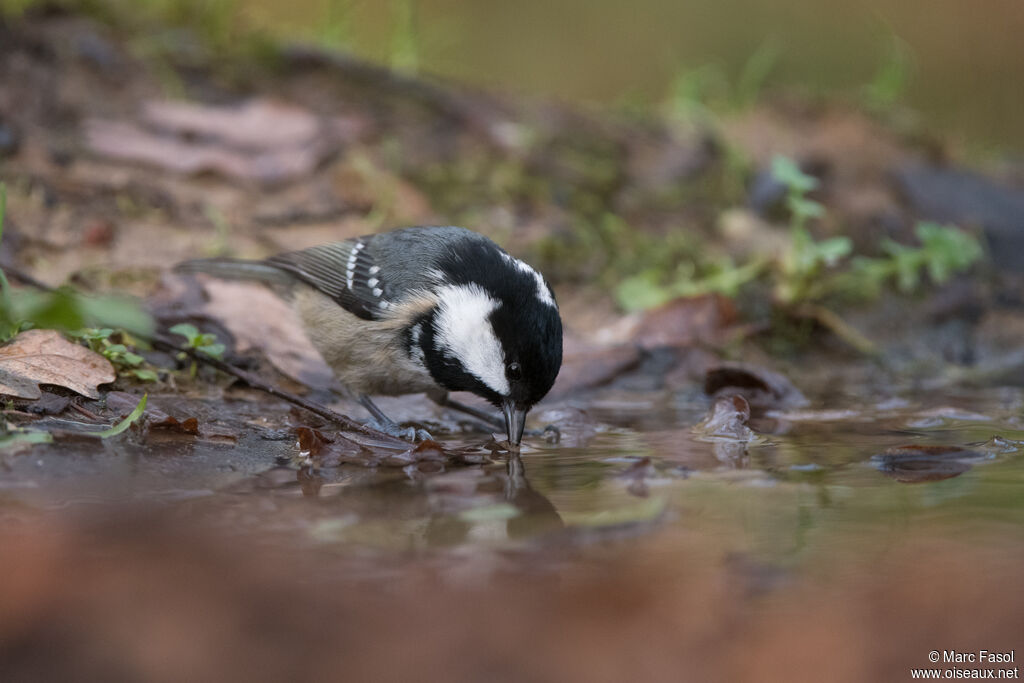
515, 421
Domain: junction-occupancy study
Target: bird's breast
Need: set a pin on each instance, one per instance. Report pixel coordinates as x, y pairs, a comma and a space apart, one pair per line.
368, 356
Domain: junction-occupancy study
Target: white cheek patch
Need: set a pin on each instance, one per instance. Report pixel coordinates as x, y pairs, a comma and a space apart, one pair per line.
543, 293
465, 333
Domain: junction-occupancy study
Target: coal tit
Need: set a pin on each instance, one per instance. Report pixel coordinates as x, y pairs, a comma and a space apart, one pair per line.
423, 309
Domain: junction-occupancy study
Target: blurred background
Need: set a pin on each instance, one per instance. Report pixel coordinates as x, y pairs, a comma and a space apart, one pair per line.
788, 431
958, 63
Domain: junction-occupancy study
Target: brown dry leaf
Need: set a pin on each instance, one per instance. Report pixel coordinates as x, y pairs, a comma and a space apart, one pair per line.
686, 322
762, 388
918, 463
129, 142
262, 141
728, 419
256, 125
276, 330
37, 357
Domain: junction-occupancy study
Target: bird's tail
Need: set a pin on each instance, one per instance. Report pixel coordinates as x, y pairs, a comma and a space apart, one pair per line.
236, 269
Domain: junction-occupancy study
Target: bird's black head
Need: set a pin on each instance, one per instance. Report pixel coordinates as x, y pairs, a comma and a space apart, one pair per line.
495, 331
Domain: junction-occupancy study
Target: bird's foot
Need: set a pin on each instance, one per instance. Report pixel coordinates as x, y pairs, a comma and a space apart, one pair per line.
396, 430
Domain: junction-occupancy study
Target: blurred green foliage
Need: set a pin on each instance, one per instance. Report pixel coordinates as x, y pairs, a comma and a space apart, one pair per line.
809, 271
696, 92
125, 361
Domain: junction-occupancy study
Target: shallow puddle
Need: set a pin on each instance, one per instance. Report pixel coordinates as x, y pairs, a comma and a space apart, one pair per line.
807, 480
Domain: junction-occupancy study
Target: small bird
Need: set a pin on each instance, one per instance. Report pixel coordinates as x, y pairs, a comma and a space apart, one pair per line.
421, 309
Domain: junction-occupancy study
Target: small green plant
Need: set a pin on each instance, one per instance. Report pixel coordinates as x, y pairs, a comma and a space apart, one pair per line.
803, 263
200, 342
124, 361
945, 250
127, 421
648, 289
808, 275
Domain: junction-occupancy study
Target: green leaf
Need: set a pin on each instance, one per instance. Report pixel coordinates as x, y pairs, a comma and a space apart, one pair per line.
186, 330
787, 172
130, 358
805, 208
833, 249
641, 292
145, 375
127, 422
214, 350
91, 333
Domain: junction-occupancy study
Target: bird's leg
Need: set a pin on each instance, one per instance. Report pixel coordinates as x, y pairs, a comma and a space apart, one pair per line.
385, 424
489, 419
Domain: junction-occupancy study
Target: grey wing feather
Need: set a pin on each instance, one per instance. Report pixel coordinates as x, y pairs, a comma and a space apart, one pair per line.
366, 275
344, 271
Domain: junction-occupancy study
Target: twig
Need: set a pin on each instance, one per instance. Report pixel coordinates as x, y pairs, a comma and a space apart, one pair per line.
257, 382
15, 273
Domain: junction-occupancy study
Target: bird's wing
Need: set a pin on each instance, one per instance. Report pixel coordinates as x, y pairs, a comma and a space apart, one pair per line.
346, 271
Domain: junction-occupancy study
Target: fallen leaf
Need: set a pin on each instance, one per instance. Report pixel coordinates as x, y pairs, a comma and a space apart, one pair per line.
276, 331
37, 357
49, 404
257, 125
914, 464
154, 419
686, 321
728, 419
262, 141
128, 142
763, 388
589, 368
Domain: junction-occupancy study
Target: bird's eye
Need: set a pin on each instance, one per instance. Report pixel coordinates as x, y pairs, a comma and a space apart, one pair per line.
514, 372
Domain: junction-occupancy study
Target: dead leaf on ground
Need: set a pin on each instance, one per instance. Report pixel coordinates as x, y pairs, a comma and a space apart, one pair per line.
276, 331
686, 321
155, 420
728, 419
37, 357
588, 368
762, 388
262, 141
916, 463
258, 124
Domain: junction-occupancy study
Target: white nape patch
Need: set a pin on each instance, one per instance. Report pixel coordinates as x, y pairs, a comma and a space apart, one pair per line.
350, 271
543, 293
465, 334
